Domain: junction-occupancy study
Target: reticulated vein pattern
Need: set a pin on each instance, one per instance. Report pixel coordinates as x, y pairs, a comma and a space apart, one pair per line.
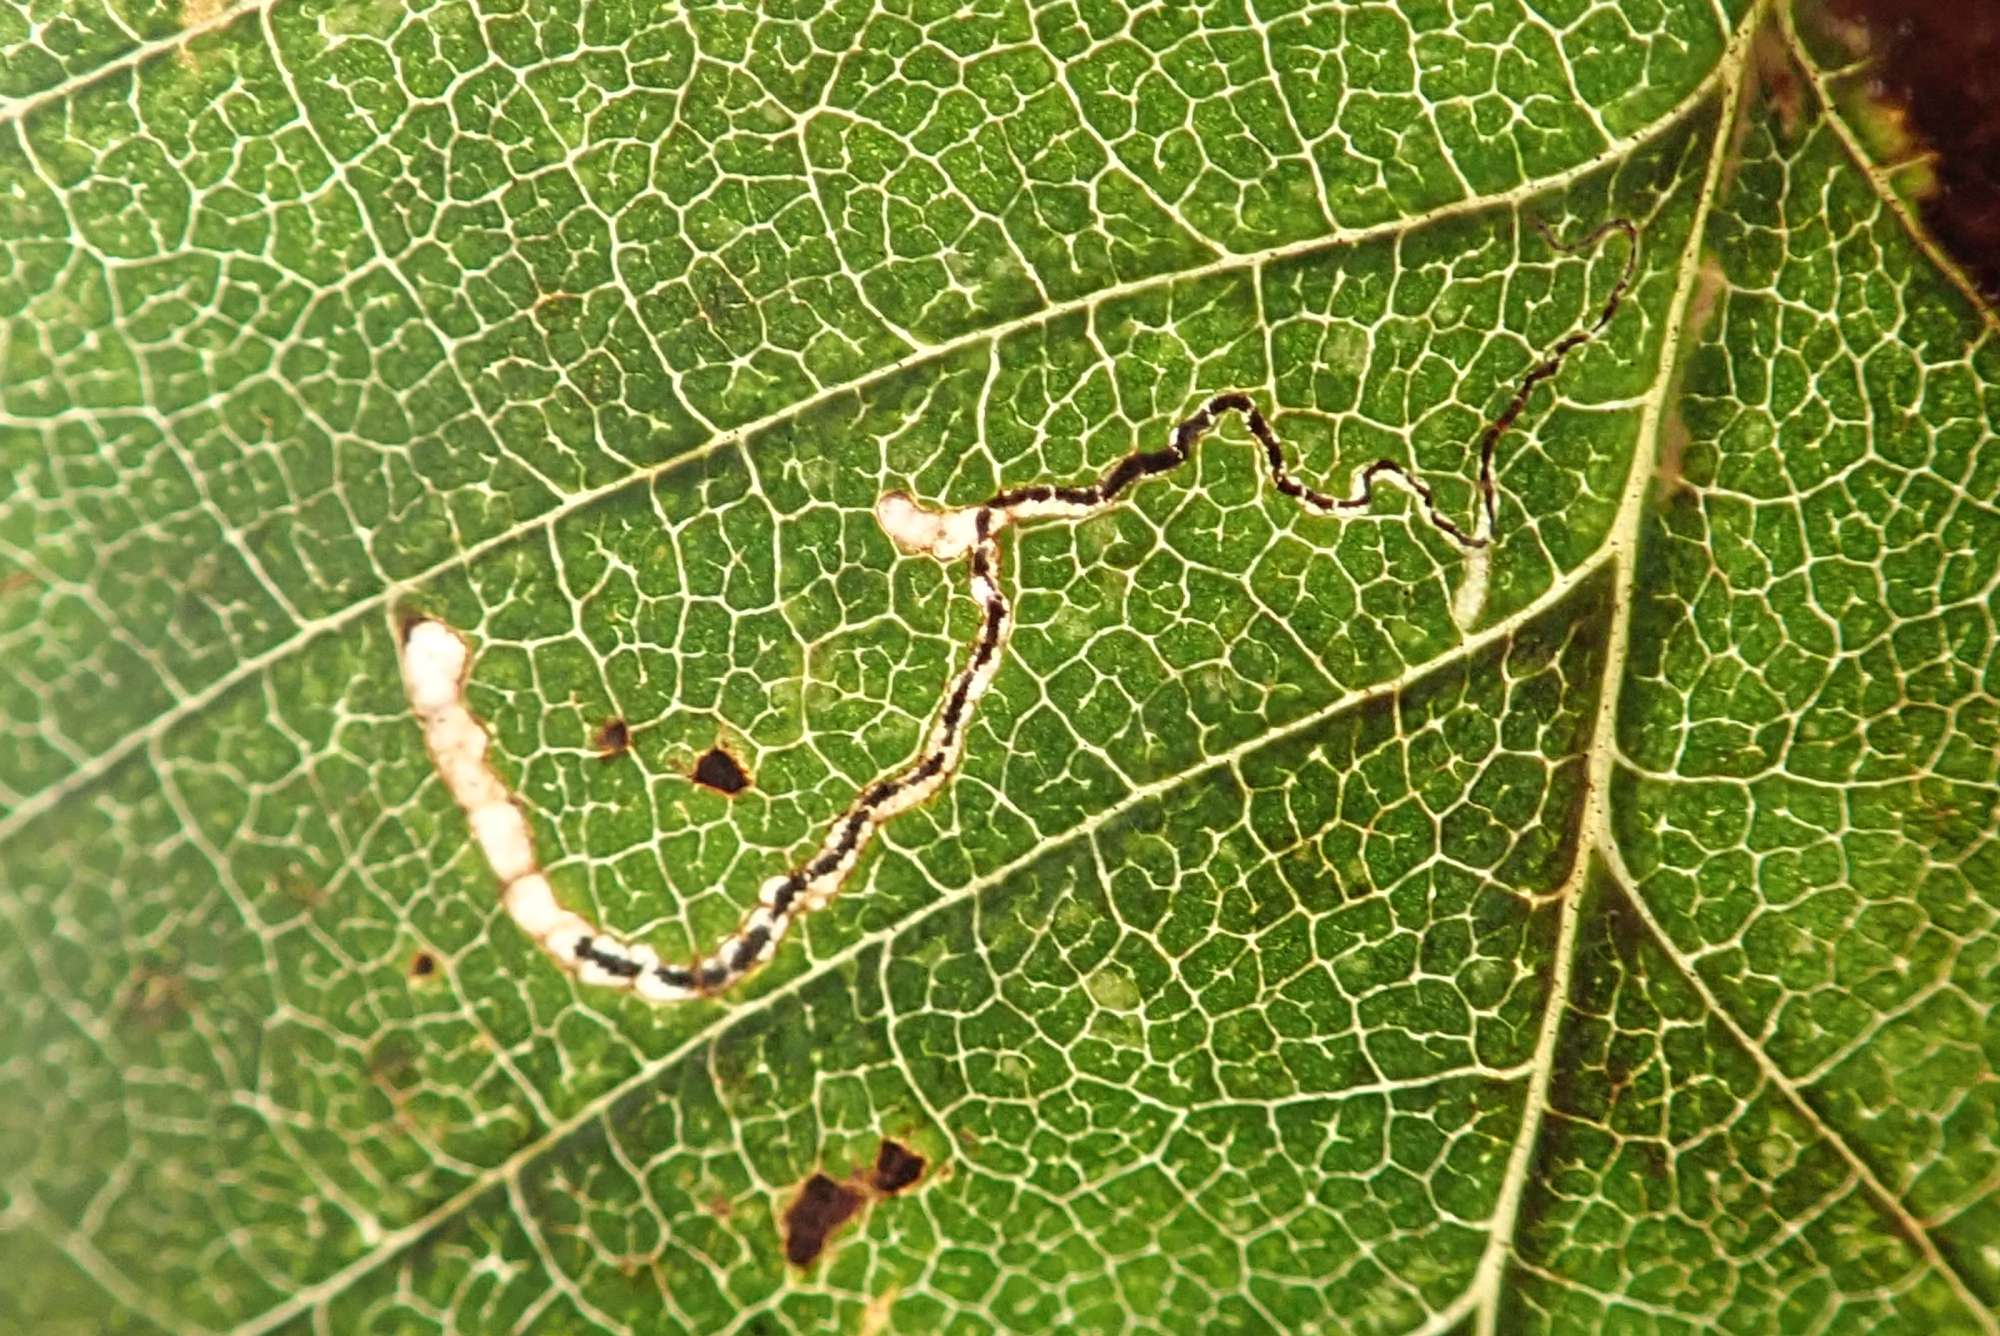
436, 660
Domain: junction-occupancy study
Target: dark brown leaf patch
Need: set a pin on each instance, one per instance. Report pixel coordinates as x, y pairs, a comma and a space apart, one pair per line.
718, 770
823, 1206
613, 737
896, 1167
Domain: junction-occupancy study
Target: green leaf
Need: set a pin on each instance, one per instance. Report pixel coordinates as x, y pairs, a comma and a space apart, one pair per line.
1287, 953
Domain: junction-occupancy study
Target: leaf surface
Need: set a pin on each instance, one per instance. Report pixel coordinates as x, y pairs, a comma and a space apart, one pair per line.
1288, 953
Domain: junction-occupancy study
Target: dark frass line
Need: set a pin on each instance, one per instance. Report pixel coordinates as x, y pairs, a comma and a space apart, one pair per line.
436, 660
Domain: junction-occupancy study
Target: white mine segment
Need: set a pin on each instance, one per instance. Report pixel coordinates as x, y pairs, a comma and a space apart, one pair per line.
946, 535
1469, 600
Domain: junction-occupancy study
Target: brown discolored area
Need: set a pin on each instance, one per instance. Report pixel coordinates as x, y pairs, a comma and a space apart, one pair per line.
295, 886
875, 1317
1669, 478
197, 16
1939, 60
823, 1205
423, 965
718, 770
896, 1167
612, 738
1777, 82
154, 998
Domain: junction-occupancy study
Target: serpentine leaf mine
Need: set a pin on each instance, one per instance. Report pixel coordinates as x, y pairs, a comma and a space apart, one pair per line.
436, 659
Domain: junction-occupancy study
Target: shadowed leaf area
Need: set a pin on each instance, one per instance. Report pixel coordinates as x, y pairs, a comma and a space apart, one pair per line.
1550, 886
1935, 68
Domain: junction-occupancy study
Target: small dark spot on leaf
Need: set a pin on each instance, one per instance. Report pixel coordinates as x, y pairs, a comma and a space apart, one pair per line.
823, 1205
896, 1167
423, 965
613, 737
719, 771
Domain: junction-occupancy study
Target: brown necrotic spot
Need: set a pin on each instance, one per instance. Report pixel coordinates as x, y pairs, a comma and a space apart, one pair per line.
718, 770
423, 965
613, 736
896, 1167
823, 1205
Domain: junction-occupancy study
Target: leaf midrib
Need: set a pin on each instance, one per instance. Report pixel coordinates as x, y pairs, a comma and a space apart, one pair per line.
1482, 1299
1597, 841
